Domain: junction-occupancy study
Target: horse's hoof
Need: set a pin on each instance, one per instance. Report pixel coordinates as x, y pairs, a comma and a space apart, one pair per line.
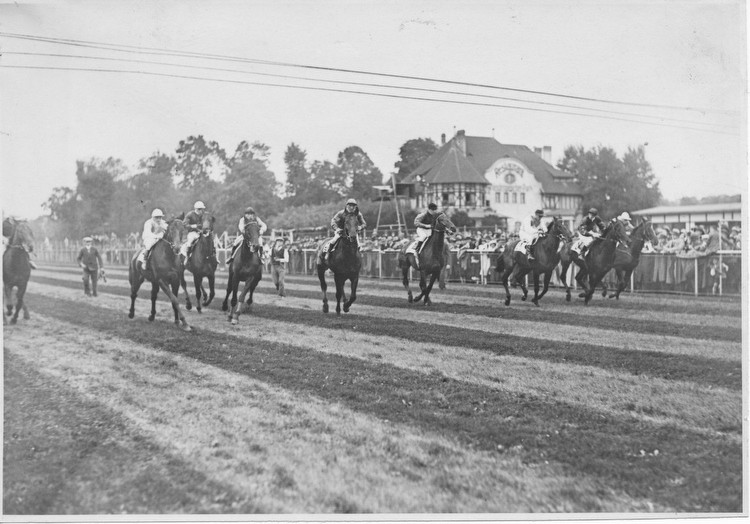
199, 310
151, 318
13, 320
186, 327
523, 299
188, 306
535, 302
507, 302
131, 314
581, 295
567, 298
325, 308
338, 312
234, 321
346, 309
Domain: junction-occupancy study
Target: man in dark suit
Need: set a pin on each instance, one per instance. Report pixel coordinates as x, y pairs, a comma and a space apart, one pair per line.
91, 262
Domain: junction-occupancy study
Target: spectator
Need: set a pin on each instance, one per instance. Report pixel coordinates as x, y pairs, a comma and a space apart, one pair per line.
717, 272
91, 263
713, 242
279, 261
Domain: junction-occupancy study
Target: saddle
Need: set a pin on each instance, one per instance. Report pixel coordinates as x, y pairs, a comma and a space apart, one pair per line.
412, 247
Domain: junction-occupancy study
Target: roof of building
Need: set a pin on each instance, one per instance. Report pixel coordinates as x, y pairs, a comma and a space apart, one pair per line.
449, 165
694, 209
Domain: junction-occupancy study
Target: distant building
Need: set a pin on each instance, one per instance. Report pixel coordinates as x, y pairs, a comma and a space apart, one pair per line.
481, 176
693, 215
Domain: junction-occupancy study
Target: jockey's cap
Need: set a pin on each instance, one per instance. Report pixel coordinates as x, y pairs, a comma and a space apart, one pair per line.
624, 216
88, 239
199, 205
594, 211
249, 210
351, 201
432, 205
539, 213
157, 213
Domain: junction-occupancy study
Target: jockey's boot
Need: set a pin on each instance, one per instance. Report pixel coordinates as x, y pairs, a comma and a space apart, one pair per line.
32, 264
529, 254
231, 256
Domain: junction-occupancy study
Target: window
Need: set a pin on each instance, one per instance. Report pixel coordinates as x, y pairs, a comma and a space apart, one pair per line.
523, 198
497, 198
515, 197
505, 197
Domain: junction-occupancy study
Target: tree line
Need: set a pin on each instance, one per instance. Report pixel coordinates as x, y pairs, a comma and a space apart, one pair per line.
109, 198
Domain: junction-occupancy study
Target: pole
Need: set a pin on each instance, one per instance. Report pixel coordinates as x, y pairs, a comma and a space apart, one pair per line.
395, 196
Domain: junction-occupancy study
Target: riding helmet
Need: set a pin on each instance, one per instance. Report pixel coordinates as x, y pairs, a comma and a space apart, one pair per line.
432, 205
624, 216
199, 205
594, 211
157, 213
539, 213
250, 210
351, 201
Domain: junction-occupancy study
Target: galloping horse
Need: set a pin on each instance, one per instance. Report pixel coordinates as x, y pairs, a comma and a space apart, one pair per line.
345, 263
201, 262
546, 257
163, 272
246, 267
16, 266
597, 262
626, 260
429, 262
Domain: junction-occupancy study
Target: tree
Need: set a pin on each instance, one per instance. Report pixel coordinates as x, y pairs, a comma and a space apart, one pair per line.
609, 184
360, 174
197, 161
297, 175
413, 153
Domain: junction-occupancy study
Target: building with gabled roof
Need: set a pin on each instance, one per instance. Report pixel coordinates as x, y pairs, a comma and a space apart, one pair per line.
481, 176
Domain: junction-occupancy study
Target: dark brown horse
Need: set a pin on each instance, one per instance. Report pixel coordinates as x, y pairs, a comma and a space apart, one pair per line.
597, 261
16, 266
201, 262
246, 267
546, 257
429, 262
345, 263
163, 271
626, 260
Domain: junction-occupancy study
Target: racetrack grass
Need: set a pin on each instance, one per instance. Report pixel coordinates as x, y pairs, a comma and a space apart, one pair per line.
692, 472
66, 455
539, 316
291, 452
725, 373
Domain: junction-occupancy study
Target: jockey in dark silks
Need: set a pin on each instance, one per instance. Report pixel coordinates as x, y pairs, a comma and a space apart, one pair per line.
337, 224
194, 223
590, 229
425, 222
247, 217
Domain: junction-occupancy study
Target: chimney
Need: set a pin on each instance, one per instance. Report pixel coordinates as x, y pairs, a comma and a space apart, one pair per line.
442, 139
547, 154
538, 150
460, 140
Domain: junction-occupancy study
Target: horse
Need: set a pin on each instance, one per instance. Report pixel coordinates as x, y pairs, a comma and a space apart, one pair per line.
246, 267
163, 272
546, 257
345, 261
201, 262
626, 260
16, 266
597, 262
429, 261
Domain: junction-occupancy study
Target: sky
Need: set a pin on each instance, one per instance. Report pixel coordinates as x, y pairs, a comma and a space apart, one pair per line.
669, 75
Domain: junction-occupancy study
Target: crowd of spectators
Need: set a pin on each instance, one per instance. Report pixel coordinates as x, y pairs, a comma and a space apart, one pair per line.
697, 241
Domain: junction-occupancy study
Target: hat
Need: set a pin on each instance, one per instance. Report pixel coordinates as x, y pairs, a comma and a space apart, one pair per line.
157, 213
624, 216
432, 205
662, 235
279, 239
594, 211
250, 210
735, 228
700, 230
88, 239
539, 213
199, 205
675, 231
351, 201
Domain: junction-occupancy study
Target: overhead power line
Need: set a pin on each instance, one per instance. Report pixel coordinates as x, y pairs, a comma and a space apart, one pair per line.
364, 84
351, 91
172, 52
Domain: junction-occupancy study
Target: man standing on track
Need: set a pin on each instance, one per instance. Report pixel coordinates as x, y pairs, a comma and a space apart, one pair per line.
91, 262
279, 260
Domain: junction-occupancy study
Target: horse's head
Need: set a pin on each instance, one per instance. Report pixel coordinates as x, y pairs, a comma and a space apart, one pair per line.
207, 224
351, 227
9, 226
558, 228
19, 233
646, 230
444, 223
251, 233
617, 232
176, 232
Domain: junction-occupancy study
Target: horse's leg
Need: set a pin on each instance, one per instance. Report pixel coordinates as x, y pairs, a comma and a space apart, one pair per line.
535, 300
211, 293
182, 283
20, 292
136, 279
594, 280
8, 292
564, 279
175, 303
233, 303
520, 275
238, 304
547, 277
405, 282
622, 282
504, 279
253, 284
225, 304
433, 277
422, 286
26, 315
197, 283
154, 292
323, 286
353, 295
340, 281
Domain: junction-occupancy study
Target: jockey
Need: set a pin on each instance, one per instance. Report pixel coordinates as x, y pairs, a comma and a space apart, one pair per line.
153, 230
424, 222
624, 217
590, 229
531, 230
337, 224
26, 244
194, 222
248, 217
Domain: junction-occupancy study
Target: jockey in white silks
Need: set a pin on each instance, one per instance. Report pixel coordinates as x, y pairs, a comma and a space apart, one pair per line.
249, 216
153, 230
531, 229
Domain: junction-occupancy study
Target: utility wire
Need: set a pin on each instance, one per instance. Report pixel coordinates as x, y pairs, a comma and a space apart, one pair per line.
171, 52
268, 84
365, 84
